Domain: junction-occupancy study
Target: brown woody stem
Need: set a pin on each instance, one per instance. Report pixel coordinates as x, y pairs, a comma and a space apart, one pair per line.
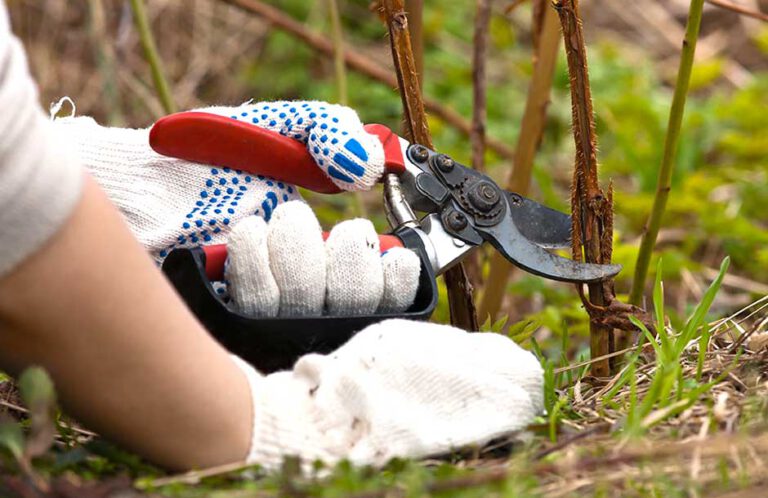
591, 211
459, 290
724, 4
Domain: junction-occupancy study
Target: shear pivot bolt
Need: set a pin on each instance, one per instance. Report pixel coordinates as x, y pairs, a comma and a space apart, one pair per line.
484, 196
444, 163
457, 221
419, 153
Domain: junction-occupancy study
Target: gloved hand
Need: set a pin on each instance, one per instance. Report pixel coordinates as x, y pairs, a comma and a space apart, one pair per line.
396, 389
171, 203
285, 268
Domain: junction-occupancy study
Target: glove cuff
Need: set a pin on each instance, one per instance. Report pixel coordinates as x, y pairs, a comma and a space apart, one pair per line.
115, 157
167, 202
101, 144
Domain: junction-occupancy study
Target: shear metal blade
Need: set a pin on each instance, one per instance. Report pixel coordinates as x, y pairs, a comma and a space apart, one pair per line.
531, 257
544, 226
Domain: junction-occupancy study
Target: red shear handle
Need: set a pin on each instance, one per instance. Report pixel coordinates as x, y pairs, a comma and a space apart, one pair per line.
216, 255
222, 141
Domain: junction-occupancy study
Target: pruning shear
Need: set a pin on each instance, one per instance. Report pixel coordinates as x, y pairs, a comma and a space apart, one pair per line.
463, 209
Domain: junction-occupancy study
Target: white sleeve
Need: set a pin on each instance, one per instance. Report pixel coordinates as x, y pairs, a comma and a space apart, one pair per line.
40, 179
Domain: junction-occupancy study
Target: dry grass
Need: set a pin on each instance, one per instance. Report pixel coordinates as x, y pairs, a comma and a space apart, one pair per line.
211, 42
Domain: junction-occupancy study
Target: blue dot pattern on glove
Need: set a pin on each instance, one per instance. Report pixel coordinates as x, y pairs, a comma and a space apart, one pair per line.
226, 196
333, 134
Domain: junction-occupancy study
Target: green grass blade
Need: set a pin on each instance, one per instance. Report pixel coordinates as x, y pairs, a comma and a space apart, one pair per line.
648, 335
658, 297
700, 313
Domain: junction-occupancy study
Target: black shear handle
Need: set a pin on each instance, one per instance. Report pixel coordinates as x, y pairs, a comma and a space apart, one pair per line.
273, 344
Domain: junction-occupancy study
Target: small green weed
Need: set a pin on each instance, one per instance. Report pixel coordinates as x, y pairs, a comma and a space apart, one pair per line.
669, 392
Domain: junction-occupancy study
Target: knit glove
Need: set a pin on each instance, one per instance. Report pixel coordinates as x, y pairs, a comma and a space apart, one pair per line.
170, 203
396, 389
284, 267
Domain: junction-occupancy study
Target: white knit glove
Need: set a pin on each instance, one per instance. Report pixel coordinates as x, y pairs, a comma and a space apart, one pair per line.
284, 267
396, 389
172, 203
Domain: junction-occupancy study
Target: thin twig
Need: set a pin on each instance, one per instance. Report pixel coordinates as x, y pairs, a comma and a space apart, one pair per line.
105, 61
460, 301
472, 262
153, 59
479, 55
531, 130
739, 9
664, 182
195, 476
340, 71
591, 361
21, 409
338, 52
564, 443
362, 64
513, 5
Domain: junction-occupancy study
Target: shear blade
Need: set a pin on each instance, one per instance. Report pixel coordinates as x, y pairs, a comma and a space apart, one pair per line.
544, 226
528, 255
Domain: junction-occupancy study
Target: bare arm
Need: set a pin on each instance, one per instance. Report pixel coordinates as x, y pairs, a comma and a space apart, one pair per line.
127, 358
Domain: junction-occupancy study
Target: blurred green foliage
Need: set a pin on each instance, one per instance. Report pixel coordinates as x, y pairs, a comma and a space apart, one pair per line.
720, 185
717, 207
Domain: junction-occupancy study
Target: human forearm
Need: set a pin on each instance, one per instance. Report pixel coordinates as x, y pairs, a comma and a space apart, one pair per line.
128, 359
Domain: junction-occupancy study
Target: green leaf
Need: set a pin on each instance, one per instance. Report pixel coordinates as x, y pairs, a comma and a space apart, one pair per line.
12, 439
658, 306
498, 325
700, 313
648, 335
523, 329
36, 389
554, 417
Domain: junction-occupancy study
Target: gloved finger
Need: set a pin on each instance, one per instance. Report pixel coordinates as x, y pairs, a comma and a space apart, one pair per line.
252, 288
334, 135
401, 268
297, 259
352, 157
355, 281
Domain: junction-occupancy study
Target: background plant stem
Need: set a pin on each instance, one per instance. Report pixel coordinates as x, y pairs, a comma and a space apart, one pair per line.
415, 11
338, 52
361, 63
531, 129
460, 301
105, 57
479, 53
664, 182
340, 72
151, 54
